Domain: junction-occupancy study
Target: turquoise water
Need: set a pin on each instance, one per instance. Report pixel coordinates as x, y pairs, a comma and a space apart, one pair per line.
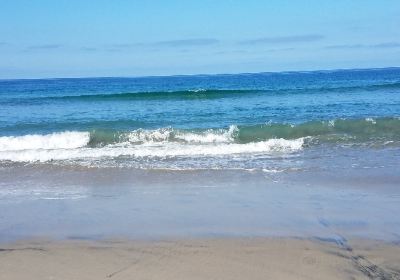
205, 120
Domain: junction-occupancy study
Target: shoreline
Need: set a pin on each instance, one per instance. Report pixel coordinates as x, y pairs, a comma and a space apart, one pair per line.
201, 258
63, 203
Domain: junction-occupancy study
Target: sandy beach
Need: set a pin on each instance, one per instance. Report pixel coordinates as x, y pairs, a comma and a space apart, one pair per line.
225, 258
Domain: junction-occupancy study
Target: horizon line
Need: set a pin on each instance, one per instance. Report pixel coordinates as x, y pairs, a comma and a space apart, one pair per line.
202, 74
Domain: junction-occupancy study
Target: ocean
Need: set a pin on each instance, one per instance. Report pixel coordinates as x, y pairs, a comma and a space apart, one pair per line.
187, 122
199, 140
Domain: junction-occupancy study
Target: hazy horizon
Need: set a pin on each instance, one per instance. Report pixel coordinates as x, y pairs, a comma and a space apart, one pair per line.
205, 74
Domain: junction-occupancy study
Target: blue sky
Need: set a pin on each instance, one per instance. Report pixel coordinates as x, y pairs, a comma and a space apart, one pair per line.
81, 38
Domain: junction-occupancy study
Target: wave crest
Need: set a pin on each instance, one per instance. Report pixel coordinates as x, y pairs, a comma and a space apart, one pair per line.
59, 140
170, 142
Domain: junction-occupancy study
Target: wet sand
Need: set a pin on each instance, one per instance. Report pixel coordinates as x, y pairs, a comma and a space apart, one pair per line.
226, 258
127, 224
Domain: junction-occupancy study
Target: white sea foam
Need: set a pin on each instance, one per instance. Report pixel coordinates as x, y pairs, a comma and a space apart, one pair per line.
77, 151
62, 140
371, 120
209, 136
169, 134
198, 90
143, 136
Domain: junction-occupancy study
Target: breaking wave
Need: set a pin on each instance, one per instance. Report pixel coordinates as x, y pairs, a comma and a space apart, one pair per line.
61, 140
172, 143
155, 150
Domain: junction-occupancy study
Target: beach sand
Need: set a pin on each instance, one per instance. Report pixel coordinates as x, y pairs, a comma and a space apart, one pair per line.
222, 258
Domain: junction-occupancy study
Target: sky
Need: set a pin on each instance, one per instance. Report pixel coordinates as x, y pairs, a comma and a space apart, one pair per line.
82, 38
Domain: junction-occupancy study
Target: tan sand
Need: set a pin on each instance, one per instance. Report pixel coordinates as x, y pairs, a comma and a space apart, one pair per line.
267, 258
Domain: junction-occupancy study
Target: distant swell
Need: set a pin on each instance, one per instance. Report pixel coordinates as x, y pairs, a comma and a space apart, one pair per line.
186, 94
215, 93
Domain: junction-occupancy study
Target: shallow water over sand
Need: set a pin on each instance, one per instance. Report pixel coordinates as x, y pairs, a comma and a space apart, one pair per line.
71, 202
